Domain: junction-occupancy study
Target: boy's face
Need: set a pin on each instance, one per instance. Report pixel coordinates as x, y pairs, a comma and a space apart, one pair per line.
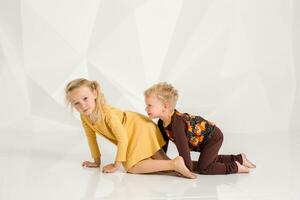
83, 99
154, 107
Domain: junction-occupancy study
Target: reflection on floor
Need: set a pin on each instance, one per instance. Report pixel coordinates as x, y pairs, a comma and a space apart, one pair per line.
47, 165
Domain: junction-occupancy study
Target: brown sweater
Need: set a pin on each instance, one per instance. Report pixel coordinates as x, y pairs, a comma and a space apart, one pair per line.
188, 132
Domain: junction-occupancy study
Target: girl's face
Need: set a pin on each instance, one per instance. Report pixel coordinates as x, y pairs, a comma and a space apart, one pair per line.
154, 107
83, 99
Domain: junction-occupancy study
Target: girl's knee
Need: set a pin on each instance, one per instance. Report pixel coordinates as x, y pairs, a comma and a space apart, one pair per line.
132, 170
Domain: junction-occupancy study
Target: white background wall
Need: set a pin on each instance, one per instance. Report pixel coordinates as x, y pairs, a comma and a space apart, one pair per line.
234, 62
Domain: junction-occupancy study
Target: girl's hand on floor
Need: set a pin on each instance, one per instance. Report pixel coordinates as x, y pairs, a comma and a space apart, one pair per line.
90, 164
110, 168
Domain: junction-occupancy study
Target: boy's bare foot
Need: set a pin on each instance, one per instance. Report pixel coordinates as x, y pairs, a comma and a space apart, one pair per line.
246, 162
242, 168
180, 167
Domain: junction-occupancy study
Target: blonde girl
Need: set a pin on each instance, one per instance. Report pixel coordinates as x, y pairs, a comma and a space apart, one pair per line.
137, 138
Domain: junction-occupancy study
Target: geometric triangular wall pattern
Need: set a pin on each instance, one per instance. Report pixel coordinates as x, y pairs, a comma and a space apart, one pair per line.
231, 63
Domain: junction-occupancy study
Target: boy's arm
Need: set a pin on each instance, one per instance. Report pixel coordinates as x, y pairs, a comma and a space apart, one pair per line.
166, 138
181, 142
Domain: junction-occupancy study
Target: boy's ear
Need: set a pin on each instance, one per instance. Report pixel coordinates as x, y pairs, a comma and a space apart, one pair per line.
167, 105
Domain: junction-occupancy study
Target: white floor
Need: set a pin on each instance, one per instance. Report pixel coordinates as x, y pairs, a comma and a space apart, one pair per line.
46, 165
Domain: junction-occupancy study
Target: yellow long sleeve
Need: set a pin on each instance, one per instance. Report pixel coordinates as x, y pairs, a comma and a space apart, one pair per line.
92, 140
120, 133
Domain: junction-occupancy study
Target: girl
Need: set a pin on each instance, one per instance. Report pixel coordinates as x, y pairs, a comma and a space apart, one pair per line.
191, 133
137, 138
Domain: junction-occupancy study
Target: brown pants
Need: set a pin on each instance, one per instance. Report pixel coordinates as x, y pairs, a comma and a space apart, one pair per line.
210, 162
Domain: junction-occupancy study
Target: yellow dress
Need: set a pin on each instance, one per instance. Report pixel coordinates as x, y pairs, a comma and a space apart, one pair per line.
137, 137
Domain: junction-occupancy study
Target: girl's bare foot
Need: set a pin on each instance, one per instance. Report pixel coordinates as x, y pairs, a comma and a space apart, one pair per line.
246, 162
242, 168
180, 167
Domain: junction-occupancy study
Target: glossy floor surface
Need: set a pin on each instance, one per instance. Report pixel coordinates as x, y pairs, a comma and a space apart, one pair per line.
47, 165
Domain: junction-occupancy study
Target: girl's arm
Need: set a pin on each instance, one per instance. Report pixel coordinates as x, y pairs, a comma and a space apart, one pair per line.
96, 163
93, 145
120, 133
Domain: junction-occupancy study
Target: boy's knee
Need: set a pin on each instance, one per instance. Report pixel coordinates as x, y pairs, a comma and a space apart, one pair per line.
202, 169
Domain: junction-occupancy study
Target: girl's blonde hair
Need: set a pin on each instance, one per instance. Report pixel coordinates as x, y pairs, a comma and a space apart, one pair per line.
164, 92
97, 114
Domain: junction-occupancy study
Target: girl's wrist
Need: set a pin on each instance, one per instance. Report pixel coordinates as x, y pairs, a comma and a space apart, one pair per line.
117, 164
97, 160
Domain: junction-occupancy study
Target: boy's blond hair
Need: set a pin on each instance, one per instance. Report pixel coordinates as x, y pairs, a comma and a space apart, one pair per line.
94, 86
164, 92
